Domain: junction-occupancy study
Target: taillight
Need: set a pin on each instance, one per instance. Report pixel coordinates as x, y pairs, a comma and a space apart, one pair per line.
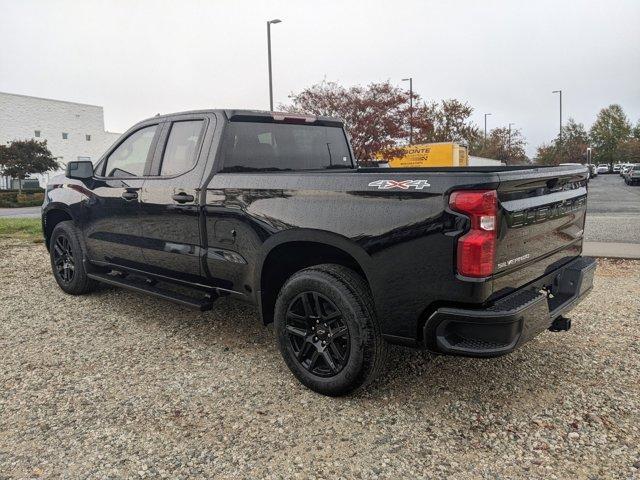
476, 248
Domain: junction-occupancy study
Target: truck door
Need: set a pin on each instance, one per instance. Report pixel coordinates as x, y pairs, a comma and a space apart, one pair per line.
111, 223
170, 210
246, 204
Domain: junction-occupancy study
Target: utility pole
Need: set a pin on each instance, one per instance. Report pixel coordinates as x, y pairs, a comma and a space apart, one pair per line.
485, 128
269, 55
410, 80
560, 132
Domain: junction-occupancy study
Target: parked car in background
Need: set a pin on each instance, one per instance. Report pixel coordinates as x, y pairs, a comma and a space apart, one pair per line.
633, 175
603, 168
575, 165
593, 171
616, 168
625, 169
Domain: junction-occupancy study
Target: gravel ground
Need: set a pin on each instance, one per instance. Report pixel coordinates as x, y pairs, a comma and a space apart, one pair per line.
116, 384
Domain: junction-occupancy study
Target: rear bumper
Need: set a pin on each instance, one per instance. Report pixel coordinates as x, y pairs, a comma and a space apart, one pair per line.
512, 320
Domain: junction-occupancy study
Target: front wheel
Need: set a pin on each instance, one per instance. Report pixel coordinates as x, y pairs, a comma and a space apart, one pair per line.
67, 260
327, 331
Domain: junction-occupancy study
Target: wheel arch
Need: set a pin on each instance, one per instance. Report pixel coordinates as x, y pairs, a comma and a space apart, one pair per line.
289, 252
51, 217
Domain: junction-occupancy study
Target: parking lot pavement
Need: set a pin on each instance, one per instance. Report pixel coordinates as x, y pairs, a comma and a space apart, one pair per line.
120, 385
608, 194
24, 212
613, 211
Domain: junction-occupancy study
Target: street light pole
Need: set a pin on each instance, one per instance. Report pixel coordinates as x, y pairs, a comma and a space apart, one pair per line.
269, 55
485, 128
560, 133
588, 155
410, 80
509, 144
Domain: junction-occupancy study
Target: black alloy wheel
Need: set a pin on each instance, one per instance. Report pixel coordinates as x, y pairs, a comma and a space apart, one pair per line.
68, 260
327, 330
63, 259
318, 336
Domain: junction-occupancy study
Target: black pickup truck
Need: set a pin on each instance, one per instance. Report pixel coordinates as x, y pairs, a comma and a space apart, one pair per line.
271, 208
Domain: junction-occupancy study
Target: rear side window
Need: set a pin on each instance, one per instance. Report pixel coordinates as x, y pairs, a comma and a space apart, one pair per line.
180, 152
257, 146
129, 159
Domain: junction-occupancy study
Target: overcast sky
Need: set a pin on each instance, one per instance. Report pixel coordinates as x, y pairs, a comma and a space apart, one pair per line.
504, 57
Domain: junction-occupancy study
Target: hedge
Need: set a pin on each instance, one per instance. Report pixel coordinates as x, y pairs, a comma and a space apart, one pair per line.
24, 190
12, 199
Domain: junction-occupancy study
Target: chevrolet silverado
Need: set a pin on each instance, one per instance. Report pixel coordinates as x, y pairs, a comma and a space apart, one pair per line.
272, 209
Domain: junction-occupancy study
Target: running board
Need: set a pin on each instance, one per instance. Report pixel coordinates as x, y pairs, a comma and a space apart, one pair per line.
187, 301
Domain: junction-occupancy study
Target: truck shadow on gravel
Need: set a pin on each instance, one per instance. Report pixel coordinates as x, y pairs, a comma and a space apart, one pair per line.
540, 367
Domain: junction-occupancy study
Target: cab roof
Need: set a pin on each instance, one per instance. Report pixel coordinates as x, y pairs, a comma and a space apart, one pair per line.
264, 116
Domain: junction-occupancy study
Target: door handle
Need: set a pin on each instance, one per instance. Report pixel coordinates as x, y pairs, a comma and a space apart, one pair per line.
182, 197
130, 195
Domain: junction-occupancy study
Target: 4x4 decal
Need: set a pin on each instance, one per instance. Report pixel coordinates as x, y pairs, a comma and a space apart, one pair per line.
400, 184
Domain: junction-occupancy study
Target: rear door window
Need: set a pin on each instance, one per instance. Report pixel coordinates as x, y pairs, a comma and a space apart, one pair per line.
254, 146
181, 149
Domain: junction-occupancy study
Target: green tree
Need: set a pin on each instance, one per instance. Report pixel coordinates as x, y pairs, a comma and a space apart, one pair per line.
636, 131
25, 157
629, 150
548, 154
572, 149
608, 131
502, 146
447, 121
575, 141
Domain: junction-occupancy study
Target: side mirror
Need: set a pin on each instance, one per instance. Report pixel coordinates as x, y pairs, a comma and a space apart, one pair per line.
80, 170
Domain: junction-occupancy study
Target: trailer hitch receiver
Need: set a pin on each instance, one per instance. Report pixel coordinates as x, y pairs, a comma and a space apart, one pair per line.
560, 324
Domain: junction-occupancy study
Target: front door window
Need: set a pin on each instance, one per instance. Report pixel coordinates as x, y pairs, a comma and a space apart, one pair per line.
129, 159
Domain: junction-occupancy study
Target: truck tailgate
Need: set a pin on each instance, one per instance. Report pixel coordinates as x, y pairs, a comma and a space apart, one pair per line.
542, 215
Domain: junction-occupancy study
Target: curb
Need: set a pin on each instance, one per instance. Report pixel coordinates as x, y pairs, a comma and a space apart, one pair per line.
629, 251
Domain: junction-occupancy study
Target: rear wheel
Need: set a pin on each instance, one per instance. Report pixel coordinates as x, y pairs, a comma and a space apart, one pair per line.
327, 331
67, 260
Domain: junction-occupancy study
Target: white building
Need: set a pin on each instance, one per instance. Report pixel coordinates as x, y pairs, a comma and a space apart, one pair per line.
73, 131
